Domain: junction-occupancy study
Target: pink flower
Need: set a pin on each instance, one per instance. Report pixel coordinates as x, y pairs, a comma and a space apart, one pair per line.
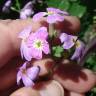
68, 40
38, 44
27, 11
33, 44
28, 75
80, 46
24, 49
53, 15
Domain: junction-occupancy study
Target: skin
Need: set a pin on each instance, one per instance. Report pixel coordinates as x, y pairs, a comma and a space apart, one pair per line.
10, 45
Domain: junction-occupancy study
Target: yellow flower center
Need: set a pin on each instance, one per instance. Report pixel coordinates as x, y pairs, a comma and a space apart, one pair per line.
77, 44
50, 13
38, 44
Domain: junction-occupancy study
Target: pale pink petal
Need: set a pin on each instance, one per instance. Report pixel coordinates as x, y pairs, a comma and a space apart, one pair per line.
7, 5
19, 75
62, 12
23, 66
42, 32
63, 37
78, 51
25, 33
21, 49
51, 19
33, 72
59, 17
37, 53
27, 52
46, 48
54, 10
27, 81
29, 5
68, 45
24, 14
38, 16
27, 10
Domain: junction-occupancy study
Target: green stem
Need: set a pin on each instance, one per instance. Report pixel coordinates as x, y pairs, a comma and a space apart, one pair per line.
51, 30
12, 8
18, 4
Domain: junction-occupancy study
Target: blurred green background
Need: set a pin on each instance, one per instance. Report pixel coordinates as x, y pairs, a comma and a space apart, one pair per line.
83, 9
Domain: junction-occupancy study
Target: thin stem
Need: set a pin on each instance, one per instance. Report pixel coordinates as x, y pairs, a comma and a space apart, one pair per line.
51, 30
18, 4
12, 8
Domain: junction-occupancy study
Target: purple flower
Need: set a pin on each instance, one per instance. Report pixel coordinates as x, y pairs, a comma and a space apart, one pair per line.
7, 6
38, 44
68, 40
80, 46
28, 75
27, 11
24, 49
53, 15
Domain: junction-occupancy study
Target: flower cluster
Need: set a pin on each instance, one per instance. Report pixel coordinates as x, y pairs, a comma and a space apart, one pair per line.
35, 44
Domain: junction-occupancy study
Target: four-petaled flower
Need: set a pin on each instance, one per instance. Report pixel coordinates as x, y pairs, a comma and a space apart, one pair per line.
68, 40
28, 75
53, 15
80, 46
24, 49
38, 44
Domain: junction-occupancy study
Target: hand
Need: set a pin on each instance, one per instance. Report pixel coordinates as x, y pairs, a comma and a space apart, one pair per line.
10, 44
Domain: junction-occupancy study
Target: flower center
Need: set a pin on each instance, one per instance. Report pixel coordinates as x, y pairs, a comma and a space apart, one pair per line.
77, 44
38, 44
50, 12
23, 71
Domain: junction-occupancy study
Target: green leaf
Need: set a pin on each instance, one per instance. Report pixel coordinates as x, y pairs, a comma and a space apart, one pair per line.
57, 51
73, 0
77, 10
53, 3
62, 4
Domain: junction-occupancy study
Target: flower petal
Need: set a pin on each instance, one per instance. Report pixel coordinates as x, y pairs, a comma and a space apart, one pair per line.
78, 51
24, 14
26, 52
25, 33
27, 81
7, 5
59, 18
42, 33
62, 12
51, 9
33, 72
46, 48
19, 74
21, 49
51, 19
38, 16
37, 53
68, 45
63, 37
23, 66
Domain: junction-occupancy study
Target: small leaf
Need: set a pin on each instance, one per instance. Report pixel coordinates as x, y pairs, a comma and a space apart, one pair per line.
53, 3
61, 4
57, 51
64, 5
77, 10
